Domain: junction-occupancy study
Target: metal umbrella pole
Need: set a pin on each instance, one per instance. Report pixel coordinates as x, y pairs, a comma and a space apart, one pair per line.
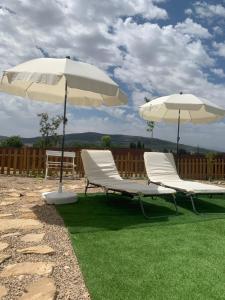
63, 138
178, 139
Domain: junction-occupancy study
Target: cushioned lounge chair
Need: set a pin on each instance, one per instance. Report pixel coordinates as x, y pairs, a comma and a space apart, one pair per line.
100, 171
161, 169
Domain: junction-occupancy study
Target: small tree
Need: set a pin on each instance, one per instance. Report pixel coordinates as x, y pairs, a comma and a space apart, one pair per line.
106, 141
139, 145
150, 124
48, 130
13, 141
183, 151
132, 145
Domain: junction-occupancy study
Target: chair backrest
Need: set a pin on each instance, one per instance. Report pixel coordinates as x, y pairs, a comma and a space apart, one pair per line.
160, 166
99, 164
59, 153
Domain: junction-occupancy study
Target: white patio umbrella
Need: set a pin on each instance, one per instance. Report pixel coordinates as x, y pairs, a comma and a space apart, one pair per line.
181, 108
63, 81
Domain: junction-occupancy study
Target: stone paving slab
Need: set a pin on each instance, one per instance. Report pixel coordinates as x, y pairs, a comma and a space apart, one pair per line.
4, 257
5, 215
43, 289
23, 268
3, 246
22, 224
11, 234
3, 291
40, 249
6, 203
32, 237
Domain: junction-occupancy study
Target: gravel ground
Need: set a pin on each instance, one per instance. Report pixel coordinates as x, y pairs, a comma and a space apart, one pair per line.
66, 273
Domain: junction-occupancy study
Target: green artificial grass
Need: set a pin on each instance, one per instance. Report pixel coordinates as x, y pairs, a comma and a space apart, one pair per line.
124, 256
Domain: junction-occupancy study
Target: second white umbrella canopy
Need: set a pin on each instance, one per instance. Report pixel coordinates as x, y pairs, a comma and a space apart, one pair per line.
181, 108
192, 109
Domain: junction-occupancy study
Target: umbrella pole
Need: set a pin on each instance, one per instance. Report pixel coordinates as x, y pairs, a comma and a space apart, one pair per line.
63, 139
178, 139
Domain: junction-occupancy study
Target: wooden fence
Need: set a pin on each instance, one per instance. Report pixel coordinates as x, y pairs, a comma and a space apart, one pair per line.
28, 161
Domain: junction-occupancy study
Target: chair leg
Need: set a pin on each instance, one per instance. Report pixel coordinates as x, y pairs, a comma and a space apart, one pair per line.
175, 203
106, 193
193, 205
86, 188
200, 212
142, 208
163, 216
46, 173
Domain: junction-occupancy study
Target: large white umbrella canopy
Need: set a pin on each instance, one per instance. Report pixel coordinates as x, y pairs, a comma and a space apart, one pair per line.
181, 108
44, 79
63, 81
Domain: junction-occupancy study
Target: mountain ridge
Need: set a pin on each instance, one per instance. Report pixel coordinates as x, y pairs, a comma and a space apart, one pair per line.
119, 140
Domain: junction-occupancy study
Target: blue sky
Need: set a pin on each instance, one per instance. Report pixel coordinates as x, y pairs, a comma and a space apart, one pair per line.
150, 47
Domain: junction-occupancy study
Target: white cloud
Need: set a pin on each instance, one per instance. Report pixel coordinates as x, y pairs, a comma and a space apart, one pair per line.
206, 10
20, 115
193, 29
218, 30
161, 60
138, 97
219, 72
77, 28
220, 48
188, 11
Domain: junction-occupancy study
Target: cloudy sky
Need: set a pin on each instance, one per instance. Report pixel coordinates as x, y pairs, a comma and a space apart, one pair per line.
150, 47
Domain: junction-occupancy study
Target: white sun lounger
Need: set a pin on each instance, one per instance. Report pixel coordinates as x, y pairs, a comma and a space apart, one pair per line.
161, 169
100, 170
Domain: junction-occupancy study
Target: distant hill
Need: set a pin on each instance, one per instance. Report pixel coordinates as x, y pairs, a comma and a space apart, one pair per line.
2, 137
119, 140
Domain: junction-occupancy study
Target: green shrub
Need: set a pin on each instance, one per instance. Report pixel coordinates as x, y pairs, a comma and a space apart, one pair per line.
13, 141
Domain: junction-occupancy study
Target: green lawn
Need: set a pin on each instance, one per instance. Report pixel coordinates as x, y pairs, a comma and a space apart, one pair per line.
124, 256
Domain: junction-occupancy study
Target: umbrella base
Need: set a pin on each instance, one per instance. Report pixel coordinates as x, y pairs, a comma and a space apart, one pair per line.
58, 198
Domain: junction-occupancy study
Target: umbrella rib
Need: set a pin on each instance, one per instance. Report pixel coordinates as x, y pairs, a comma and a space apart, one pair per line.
164, 115
4, 75
26, 90
190, 115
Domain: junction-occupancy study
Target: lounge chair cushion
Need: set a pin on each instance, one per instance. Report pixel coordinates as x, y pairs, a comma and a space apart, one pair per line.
161, 168
100, 169
99, 164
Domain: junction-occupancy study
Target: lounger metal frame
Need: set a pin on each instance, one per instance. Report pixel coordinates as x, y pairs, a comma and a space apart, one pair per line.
191, 196
188, 194
139, 195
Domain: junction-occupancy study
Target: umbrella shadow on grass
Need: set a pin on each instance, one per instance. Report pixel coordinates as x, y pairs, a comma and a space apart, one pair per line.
96, 213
